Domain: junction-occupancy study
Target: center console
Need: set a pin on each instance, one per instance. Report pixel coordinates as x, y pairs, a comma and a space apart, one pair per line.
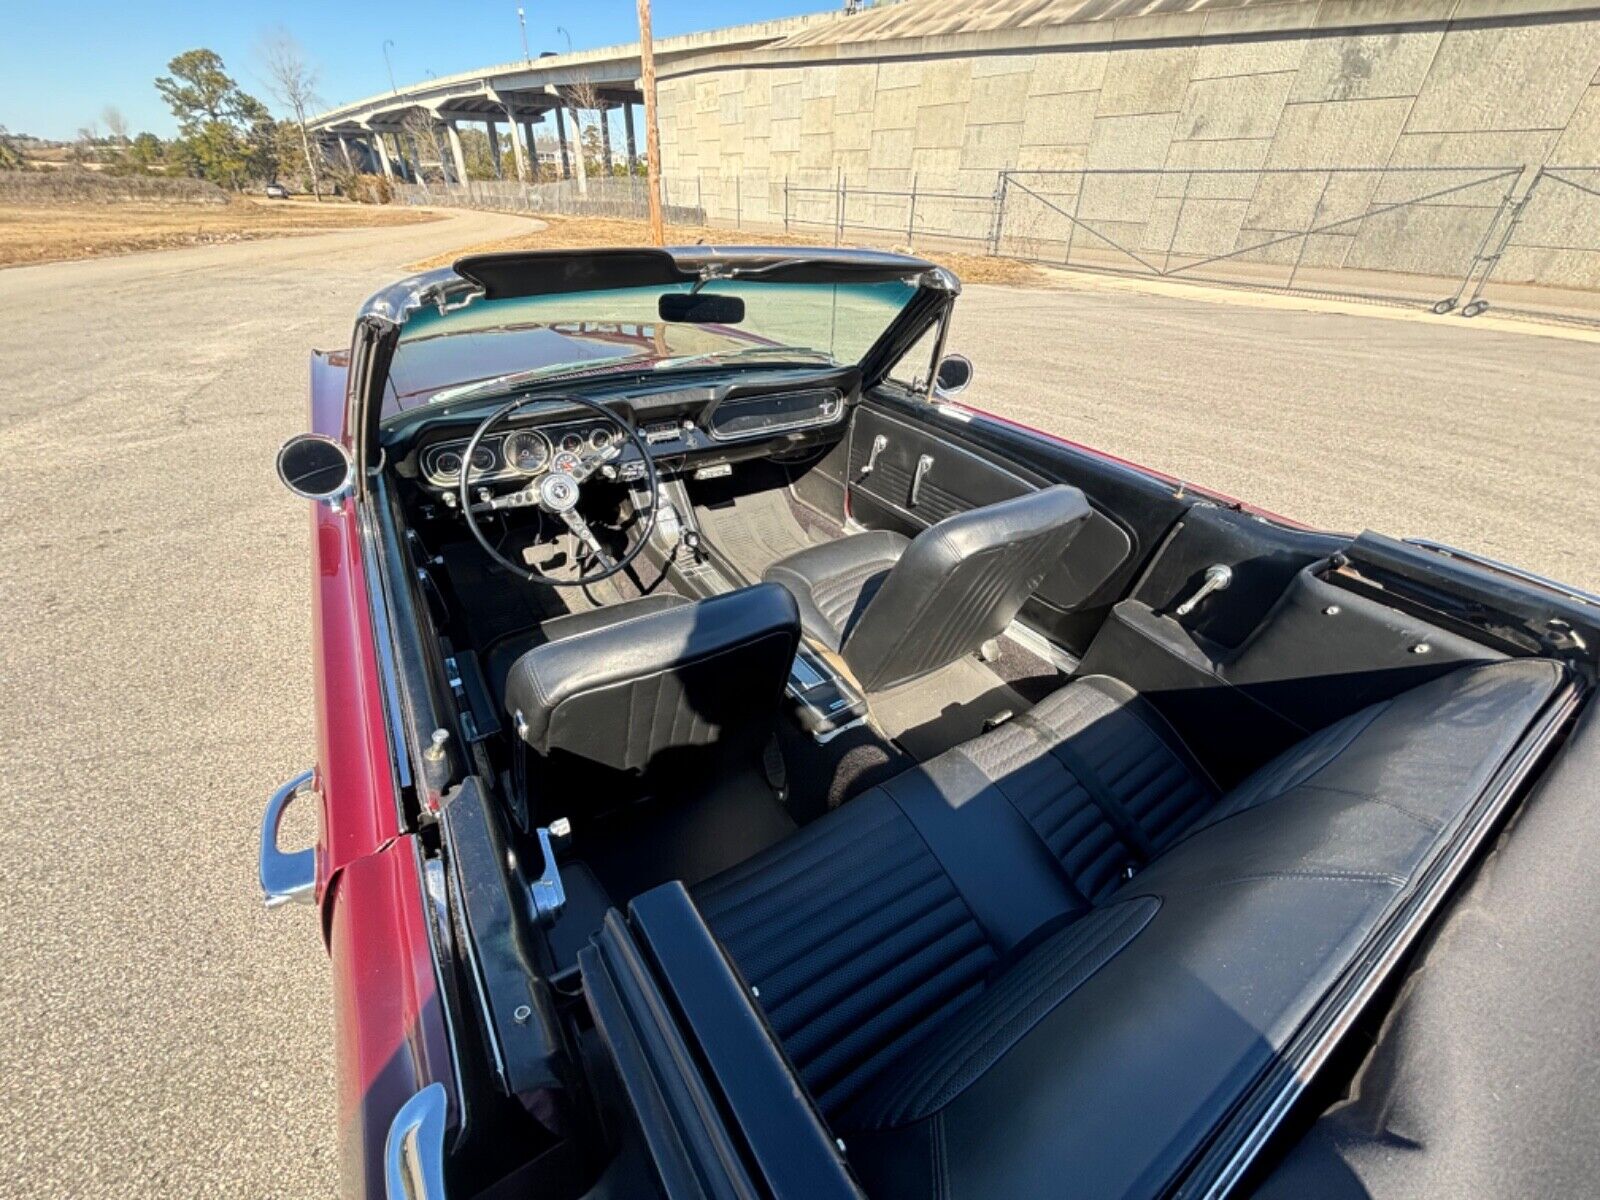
822, 699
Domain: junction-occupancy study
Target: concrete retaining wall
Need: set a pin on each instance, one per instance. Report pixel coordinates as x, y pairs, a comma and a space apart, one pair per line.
1277, 94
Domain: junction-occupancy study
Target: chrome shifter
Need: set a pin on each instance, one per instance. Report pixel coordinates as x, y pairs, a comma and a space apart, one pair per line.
1218, 577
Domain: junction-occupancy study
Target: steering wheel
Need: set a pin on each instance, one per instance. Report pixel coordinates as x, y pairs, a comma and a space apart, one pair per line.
556, 492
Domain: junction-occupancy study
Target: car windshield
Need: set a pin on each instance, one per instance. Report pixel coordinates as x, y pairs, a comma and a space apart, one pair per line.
491, 343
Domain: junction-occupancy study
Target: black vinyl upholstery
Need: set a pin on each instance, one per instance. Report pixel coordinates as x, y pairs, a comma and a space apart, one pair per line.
897, 610
634, 682
1046, 962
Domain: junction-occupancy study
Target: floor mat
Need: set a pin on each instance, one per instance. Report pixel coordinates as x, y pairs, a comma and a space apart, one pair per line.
493, 603
690, 838
754, 530
929, 715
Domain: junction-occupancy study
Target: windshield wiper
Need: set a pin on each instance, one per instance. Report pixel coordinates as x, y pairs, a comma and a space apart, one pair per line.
514, 378
745, 355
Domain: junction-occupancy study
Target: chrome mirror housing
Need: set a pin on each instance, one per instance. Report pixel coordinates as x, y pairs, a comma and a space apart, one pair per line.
315, 467
955, 372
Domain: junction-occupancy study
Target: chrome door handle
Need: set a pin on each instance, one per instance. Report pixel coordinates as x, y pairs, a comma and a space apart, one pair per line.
1218, 577
879, 445
413, 1152
923, 464
286, 876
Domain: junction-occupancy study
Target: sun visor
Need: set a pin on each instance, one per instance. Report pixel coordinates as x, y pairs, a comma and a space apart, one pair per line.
550, 273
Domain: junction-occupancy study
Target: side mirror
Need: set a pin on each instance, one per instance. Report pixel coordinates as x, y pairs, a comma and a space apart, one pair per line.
955, 372
315, 467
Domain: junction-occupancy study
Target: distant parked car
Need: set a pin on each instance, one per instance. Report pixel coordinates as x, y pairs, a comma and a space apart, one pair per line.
276, 191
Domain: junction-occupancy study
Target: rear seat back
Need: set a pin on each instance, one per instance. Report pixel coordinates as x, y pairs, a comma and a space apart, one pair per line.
1074, 1021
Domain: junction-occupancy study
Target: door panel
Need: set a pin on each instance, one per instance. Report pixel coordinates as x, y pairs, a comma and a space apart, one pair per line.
972, 462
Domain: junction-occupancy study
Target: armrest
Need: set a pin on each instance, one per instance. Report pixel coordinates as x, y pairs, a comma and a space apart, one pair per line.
715, 1096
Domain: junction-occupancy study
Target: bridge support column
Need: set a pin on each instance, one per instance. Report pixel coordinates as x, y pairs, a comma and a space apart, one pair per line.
561, 136
583, 166
494, 146
383, 154
533, 151
605, 137
344, 148
627, 127
455, 151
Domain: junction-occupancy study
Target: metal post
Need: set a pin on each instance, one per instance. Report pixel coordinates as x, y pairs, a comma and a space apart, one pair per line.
1306, 240
1476, 304
838, 211
911, 215
999, 213
1449, 303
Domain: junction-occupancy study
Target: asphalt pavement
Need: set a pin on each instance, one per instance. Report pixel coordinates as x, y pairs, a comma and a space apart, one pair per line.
162, 1035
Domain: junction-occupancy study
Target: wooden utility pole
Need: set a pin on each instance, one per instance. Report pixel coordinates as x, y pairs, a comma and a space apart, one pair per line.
652, 137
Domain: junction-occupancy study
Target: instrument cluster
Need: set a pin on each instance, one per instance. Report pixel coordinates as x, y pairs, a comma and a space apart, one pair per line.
518, 453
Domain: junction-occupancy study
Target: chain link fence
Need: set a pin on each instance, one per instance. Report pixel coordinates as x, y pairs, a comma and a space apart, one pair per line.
1453, 239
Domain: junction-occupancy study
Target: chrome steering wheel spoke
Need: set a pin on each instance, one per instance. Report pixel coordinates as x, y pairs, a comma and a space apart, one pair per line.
556, 493
580, 529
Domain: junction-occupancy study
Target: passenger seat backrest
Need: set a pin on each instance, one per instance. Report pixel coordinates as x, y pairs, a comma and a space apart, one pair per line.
960, 583
631, 695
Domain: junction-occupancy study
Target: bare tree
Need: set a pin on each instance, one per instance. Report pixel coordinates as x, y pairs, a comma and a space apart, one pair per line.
293, 81
116, 124
582, 98
419, 124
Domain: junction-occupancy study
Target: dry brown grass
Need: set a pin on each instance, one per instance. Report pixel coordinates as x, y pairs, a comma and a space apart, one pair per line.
33, 234
582, 233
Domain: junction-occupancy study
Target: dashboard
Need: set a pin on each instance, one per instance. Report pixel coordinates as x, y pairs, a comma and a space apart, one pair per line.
518, 452
691, 427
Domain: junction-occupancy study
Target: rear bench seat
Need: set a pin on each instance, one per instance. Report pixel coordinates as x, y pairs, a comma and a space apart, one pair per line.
1046, 962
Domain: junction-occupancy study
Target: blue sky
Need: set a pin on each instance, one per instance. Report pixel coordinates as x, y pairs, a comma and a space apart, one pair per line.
62, 63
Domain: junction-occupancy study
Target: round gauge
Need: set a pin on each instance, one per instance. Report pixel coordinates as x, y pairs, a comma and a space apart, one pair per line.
600, 438
572, 442
483, 459
566, 461
448, 464
527, 451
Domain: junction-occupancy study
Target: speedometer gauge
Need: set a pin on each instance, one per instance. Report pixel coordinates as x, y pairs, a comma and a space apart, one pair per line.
527, 451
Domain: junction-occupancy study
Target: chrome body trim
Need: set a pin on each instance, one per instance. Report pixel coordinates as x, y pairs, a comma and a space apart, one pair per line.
286, 877
413, 1153
831, 413
1518, 573
383, 644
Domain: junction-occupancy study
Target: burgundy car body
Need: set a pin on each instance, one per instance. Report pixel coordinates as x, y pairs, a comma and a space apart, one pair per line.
399, 1075
390, 1029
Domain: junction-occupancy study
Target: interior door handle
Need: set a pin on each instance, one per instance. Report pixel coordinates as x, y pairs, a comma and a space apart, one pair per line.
879, 445
923, 463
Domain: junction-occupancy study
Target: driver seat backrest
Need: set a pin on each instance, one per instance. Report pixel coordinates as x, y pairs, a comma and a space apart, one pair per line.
655, 688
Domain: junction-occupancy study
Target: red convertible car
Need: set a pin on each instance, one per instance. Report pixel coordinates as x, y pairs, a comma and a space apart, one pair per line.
746, 771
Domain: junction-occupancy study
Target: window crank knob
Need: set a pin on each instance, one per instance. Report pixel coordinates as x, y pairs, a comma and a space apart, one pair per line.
1218, 577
